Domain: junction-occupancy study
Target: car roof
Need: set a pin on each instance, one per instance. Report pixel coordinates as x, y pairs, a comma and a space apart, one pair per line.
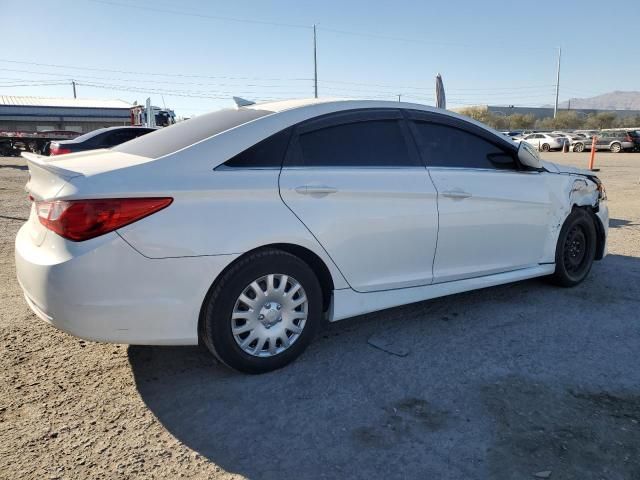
343, 104
340, 104
195, 139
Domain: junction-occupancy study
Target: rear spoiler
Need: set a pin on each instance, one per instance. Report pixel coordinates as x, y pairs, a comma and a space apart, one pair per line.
45, 178
35, 161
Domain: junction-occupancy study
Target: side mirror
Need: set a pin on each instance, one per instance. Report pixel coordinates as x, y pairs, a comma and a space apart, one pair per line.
528, 155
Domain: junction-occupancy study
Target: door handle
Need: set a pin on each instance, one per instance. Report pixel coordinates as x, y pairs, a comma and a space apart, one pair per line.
456, 194
315, 190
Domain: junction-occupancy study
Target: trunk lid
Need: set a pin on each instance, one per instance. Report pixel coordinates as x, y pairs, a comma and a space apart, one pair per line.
48, 177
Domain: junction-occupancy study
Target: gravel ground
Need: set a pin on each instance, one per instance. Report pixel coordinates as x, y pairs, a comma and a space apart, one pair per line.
503, 383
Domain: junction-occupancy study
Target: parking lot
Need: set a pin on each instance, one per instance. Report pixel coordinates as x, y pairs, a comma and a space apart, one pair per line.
513, 382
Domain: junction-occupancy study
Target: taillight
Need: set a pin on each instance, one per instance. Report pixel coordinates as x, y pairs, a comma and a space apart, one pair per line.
56, 149
79, 220
628, 138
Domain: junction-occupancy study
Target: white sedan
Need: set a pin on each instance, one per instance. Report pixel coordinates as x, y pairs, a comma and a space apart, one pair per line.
545, 141
246, 228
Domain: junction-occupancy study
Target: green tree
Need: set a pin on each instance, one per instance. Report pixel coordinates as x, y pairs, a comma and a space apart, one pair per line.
518, 121
480, 114
600, 120
628, 122
547, 123
567, 120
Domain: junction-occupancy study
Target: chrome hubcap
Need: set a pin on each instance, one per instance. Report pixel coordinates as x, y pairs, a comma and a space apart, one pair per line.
269, 315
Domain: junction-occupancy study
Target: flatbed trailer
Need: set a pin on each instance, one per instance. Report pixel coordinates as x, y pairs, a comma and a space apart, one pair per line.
13, 143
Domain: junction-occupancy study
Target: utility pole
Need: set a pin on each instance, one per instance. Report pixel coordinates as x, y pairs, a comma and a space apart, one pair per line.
73, 84
315, 63
555, 108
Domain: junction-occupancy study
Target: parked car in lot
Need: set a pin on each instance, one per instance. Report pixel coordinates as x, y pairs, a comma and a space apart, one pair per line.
545, 141
512, 133
615, 141
102, 138
579, 142
635, 138
246, 228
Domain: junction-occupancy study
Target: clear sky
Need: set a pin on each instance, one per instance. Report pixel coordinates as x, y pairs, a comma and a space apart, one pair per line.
197, 54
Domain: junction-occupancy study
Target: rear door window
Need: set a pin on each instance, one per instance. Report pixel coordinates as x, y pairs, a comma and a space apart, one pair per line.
446, 146
370, 143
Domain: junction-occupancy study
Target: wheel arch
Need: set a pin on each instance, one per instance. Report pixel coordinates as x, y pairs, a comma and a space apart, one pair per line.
600, 232
312, 259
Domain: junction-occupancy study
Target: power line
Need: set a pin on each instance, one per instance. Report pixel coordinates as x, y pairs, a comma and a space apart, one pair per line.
180, 93
203, 15
282, 86
162, 74
430, 88
252, 89
34, 85
168, 82
308, 27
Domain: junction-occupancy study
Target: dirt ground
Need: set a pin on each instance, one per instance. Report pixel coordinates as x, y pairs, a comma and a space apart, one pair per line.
504, 383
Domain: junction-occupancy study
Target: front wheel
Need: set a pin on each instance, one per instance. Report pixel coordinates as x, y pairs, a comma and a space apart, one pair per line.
545, 147
579, 147
263, 312
575, 250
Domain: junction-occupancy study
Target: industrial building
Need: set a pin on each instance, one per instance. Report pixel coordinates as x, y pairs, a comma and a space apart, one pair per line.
544, 112
35, 114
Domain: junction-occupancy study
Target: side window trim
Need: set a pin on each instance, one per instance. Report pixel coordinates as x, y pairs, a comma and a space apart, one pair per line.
414, 131
346, 117
449, 121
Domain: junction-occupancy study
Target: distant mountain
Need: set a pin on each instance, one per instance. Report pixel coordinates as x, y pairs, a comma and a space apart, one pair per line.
608, 101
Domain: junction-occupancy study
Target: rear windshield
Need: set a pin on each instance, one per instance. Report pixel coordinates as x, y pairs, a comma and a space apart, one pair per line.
171, 139
87, 136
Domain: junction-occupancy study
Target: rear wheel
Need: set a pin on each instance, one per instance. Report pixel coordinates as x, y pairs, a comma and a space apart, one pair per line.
578, 147
263, 312
615, 147
545, 147
575, 250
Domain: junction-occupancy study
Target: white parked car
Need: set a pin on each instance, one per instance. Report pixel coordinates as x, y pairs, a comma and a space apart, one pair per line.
545, 141
246, 228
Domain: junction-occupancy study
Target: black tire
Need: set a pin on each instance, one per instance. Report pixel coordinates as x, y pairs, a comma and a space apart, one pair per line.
216, 331
616, 147
578, 147
545, 147
575, 250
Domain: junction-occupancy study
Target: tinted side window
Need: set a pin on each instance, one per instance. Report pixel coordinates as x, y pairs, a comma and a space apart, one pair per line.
117, 137
374, 143
268, 153
443, 146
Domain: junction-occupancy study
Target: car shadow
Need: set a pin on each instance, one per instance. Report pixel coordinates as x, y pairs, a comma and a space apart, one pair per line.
17, 219
16, 167
620, 222
347, 410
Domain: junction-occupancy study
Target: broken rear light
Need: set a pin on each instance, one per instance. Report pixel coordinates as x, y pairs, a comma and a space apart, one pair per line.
79, 220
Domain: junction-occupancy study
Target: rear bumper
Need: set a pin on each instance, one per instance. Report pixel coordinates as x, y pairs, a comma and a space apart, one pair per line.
104, 290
